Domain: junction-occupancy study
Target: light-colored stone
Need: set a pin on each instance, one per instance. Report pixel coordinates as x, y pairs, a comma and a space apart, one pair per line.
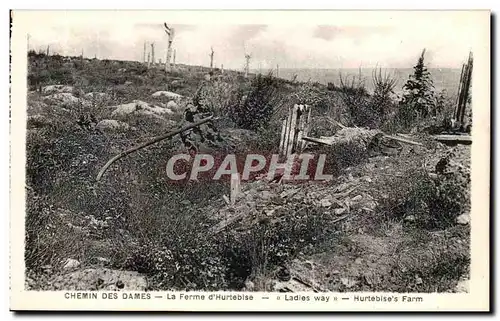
141, 108
71, 264
111, 124
66, 98
463, 219
325, 203
57, 89
168, 94
172, 105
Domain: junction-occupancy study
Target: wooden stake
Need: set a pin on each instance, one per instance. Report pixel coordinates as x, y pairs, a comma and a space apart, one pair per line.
235, 187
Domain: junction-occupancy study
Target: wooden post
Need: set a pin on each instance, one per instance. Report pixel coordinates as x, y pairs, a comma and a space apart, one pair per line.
149, 59
277, 70
291, 135
170, 33
48, 50
282, 140
211, 58
287, 131
144, 53
247, 64
153, 53
173, 63
306, 127
235, 187
300, 127
222, 68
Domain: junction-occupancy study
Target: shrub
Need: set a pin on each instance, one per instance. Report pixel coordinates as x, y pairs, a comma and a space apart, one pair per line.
434, 203
256, 108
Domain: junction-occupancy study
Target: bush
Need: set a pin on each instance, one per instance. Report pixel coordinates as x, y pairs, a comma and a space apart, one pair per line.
256, 108
434, 203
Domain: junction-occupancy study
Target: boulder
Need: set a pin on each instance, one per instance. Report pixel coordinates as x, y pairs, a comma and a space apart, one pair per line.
112, 124
57, 89
65, 98
168, 94
140, 108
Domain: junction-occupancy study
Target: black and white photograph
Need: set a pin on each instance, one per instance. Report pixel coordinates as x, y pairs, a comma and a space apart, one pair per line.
301, 159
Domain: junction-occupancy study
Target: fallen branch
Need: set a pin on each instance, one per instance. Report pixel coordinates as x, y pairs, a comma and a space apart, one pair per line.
403, 140
154, 141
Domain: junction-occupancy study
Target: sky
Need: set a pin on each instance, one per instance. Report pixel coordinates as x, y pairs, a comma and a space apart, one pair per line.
289, 45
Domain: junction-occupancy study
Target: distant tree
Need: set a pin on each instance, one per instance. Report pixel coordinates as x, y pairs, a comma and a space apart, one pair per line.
418, 94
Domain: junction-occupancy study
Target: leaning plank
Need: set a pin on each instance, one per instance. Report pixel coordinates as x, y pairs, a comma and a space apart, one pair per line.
151, 142
453, 138
283, 133
317, 140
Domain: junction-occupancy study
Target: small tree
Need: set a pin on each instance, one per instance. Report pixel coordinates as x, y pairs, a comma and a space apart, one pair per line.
418, 94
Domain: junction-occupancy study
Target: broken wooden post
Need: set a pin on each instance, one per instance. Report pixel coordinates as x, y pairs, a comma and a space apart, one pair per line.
153, 54
287, 130
282, 140
211, 55
170, 33
173, 60
463, 90
235, 187
247, 64
292, 132
307, 127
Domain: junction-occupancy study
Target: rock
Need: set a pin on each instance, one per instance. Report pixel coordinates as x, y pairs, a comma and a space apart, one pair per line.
249, 286
462, 286
172, 105
71, 264
348, 282
357, 198
418, 280
56, 89
410, 218
65, 98
325, 203
111, 124
94, 95
339, 211
463, 219
99, 279
141, 108
168, 94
